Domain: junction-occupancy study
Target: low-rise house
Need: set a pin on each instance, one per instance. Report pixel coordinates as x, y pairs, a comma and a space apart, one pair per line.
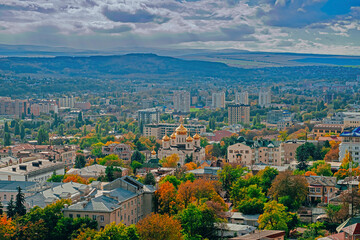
122, 150
38, 171
123, 200
209, 173
227, 230
239, 218
263, 235
321, 188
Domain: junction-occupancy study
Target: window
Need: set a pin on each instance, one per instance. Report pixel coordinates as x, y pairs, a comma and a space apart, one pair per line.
102, 218
312, 190
86, 215
318, 190
94, 217
70, 216
77, 215
4, 196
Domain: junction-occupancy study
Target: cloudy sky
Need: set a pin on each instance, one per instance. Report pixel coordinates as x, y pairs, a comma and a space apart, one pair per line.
313, 26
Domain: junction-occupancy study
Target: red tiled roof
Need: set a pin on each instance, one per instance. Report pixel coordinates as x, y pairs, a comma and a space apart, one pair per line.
220, 135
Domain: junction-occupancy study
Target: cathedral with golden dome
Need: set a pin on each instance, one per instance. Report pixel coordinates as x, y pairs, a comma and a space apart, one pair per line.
183, 145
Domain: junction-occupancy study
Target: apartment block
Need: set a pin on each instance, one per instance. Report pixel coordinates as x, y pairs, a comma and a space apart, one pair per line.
238, 113
159, 130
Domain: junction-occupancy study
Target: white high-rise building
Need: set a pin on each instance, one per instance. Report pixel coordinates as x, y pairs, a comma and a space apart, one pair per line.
242, 98
67, 102
218, 100
181, 101
264, 98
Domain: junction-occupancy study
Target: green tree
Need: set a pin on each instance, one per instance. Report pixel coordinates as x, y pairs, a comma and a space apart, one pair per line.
61, 130
198, 222
10, 210
248, 200
135, 165
16, 128
171, 179
96, 149
313, 231
137, 156
22, 131
80, 161
229, 174
20, 208
7, 139
149, 179
109, 172
43, 136
303, 153
266, 177
6, 127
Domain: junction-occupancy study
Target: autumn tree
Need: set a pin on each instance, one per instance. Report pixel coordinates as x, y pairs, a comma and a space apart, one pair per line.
74, 178
166, 198
333, 153
289, 189
7, 228
156, 226
170, 161
96, 149
190, 166
322, 168
275, 217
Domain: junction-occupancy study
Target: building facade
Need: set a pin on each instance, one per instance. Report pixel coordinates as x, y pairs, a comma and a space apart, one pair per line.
123, 200
218, 100
242, 98
264, 98
122, 150
321, 130
181, 101
238, 113
150, 115
350, 143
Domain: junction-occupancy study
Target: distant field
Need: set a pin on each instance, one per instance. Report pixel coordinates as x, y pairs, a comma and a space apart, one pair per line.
194, 109
333, 61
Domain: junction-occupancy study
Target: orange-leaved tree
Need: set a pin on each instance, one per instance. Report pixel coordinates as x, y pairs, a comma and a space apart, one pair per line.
157, 226
7, 228
166, 198
74, 178
333, 153
170, 161
190, 166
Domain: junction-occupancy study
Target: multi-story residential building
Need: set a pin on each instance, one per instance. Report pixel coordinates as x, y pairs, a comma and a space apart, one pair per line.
242, 98
67, 102
321, 188
218, 100
38, 107
38, 171
161, 129
350, 143
274, 116
351, 122
255, 152
83, 105
150, 115
8, 189
181, 101
321, 130
13, 108
238, 114
264, 98
123, 200
122, 150
339, 117
183, 145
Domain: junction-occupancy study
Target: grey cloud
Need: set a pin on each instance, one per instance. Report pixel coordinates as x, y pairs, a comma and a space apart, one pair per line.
238, 32
139, 16
29, 7
119, 29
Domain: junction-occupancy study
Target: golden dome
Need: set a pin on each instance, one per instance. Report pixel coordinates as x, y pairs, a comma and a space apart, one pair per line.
181, 130
166, 138
189, 139
173, 136
196, 136
153, 152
